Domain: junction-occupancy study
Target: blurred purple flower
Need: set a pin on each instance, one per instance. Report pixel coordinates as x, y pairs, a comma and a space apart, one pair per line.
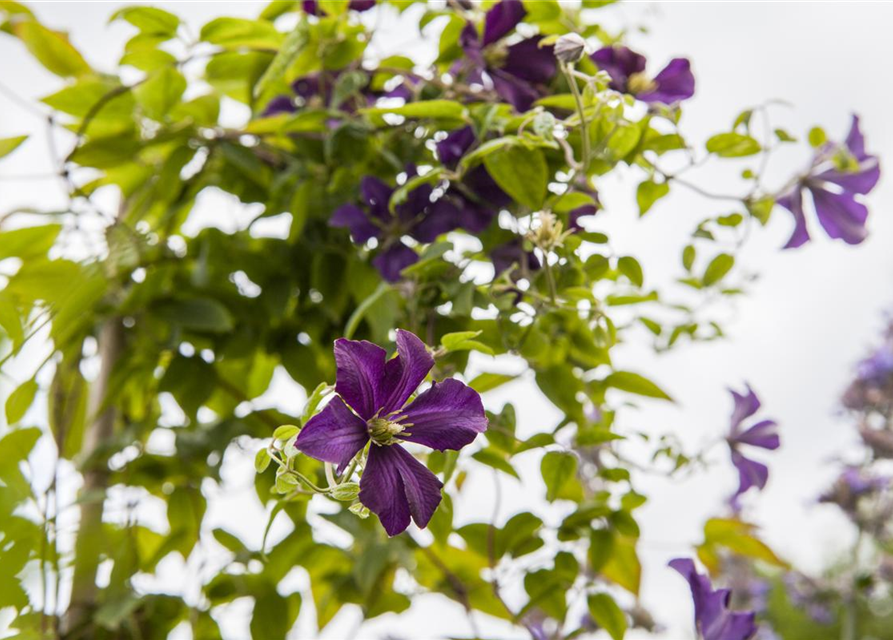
838, 174
713, 619
762, 435
516, 71
312, 6
369, 407
417, 217
852, 484
627, 70
512, 254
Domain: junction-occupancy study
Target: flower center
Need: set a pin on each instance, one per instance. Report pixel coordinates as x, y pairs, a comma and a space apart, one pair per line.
383, 431
640, 83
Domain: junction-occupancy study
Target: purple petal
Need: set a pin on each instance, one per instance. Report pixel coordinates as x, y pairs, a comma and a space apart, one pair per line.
393, 260
713, 619
840, 215
334, 435
619, 63
359, 369
361, 5
473, 216
528, 61
470, 42
417, 201
750, 472
395, 485
855, 141
307, 86
518, 93
861, 181
574, 216
763, 435
673, 84
377, 195
746, 405
405, 372
355, 219
512, 252
279, 104
451, 149
793, 202
501, 19
449, 415
441, 218
484, 186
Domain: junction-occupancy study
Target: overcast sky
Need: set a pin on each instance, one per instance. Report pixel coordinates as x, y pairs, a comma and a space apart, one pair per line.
812, 313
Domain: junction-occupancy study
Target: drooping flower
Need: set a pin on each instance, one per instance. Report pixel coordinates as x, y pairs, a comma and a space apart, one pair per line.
627, 70
839, 173
762, 435
417, 217
516, 72
713, 618
369, 407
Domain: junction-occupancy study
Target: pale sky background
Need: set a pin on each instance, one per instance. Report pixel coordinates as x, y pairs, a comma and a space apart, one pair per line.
795, 338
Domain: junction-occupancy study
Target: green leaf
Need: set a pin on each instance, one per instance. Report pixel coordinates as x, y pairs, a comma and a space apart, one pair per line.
495, 459
718, 268
286, 431
733, 145
28, 242
262, 460
688, 257
149, 20
635, 383
607, 615
738, 537
20, 400
650, 192
52, 49
160, 92
817, 137
197, 314
292, 47
346, 492
631, 268
557, 468
623, 567
489, 381
313, 401
232, 33
463, 341
520, 172
8, 145
435, 109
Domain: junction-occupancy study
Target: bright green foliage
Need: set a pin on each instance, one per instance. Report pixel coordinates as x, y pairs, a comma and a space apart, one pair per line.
166, 315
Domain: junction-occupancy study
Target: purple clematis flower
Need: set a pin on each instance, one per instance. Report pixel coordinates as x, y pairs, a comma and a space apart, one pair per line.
516, 71
762, 435
512, 253
418, 217
312, 7
852, 484
627, 70
369, 407
713, 618
838, 174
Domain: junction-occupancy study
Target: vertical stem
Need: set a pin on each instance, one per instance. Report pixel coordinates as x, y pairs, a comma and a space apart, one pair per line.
584, 125
89, 545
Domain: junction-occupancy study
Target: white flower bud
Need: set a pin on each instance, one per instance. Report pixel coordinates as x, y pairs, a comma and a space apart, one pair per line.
570, 48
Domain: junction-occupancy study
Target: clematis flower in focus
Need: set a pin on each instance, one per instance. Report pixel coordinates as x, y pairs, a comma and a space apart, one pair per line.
762, 435
627, 70
371, 407
838, 174
516, 71
713, 618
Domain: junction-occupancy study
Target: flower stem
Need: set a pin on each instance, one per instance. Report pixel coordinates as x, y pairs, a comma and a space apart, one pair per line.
581, 113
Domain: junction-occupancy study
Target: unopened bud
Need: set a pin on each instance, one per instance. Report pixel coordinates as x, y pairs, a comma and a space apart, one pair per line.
570, 48
359, 510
